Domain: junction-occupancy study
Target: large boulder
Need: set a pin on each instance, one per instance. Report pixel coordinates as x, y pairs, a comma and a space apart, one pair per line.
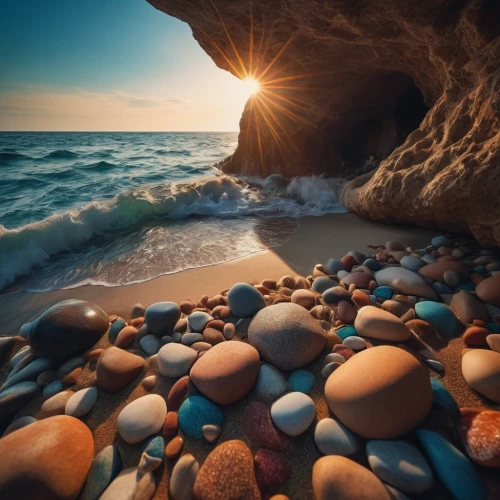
286, 336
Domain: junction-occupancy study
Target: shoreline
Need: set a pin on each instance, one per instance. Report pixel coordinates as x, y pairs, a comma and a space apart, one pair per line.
314, 241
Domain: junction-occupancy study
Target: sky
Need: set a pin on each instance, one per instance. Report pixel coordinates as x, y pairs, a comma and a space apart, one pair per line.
109, 65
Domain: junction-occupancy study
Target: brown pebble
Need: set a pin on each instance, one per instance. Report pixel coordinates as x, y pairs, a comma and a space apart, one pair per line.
126, 337
149, 383
203, 301
174, 448
187, 306
229, 331
269, 284
217, 324
72, 377
177, 393
479, 322
213, 336
216, 311
171, 425
225, 312
93, 355
137, 322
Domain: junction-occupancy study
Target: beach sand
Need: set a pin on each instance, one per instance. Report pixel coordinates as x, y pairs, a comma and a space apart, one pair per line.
316, 240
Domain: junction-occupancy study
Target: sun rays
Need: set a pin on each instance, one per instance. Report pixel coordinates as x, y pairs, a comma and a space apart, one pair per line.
268, 86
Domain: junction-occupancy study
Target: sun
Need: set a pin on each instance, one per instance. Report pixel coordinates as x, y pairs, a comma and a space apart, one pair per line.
252, 86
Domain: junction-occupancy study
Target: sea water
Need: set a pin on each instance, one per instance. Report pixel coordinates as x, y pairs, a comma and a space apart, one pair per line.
120, 208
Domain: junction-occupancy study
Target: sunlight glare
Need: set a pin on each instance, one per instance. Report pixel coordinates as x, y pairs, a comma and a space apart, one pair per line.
252, 86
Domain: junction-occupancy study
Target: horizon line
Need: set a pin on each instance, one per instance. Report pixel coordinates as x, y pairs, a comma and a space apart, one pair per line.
119, 131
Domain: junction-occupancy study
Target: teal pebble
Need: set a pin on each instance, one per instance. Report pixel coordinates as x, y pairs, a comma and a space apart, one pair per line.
155, 447
439, 316
453, 468
493, 327
372, 264
115, 329
333, 266
468, 286
105, 467
197, 411
346, 331
301, 381
52, 389
441, 288
383, 292
441, 396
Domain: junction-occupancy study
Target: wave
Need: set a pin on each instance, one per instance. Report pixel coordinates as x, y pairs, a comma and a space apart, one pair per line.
61, 154
100, 165
183, 152
24, 248
11, 155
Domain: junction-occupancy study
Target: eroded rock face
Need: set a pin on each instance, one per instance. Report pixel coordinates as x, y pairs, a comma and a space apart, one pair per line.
340, 80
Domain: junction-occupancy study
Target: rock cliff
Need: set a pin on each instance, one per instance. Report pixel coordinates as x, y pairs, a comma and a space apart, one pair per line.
412, 86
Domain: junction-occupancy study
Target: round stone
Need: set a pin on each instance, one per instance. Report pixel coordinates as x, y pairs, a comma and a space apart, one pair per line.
161, 318
270, 383
149, 383
175, 360
399, 464
336, 294
293, 413
174, 448
116, 368
323, 283
406, 282
339, 478
452, 278
439, 316
213, 337
355, 343
441, 396
229, 331
19, 423
142, 418
333, 266
481, 370
360, 279
183, 478
56, 456
227, 474
245, 300
412, 263
467, 308
191, 338
476, 336
286, 335
54, 405
196, 412
271, 468
355, 390
126, 336
115, 329
383, 292
304, 298
301, 381
346, 312
489, 290
211, 432
130, 483
197, 320
150, 344
379, 324
67, 328
493, 341
177, 393
226, 373
437, 271
81, 402
334, 438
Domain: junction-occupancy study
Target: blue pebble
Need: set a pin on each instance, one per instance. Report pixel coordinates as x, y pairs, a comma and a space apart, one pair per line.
333, 266
342, 274
441, 288
245, 300
453, 468
441, 395
336, 294
115, 329
429, 259
412, 263
161, 317
440, 241
197, 411
346, 331
383, 292
323, 283
155, 447
479, 269
105, 467
468, 286
493, 327
372, 264
439, 316
373, 299
52, 389
301, 381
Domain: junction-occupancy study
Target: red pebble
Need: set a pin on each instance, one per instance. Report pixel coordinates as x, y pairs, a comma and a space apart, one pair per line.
271, 468
479, 322
260, 429
217, 324
171, 425
349, 262
475, 336
343, 350
177, 393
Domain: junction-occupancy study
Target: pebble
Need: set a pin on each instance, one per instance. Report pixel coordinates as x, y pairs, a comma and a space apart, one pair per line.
56, 457
150, 344
81, 402
191, 338
441, 241
126, 336
399, 464
271, 468
334, 438
117, 368
329, 368
153, 454
211, 432
454, 469
435, 365
396, 377
244, 300
493, 340
286, 336
437, 271
115, 328
360, 279
175, 360
17, 396
323, 283
383, 292
405, 282
476, 336
141, 418
197, 411
361, 299
346, 331
177, 393
67, 328
174, 448
349, 262
260, 430
339, 478
19, 356
439, 316
183, 477
481, 370
105, 467
29, 372
480, 434
227, 372
333, 266
19, 423
72, 378
379, 324
293, 413
52, 389
197, 320
346, 311
336, 294
213, 336
452, 278
332, 358
161, 318
130, 484
68, 366
270, 383
301, 381
428, 258
171, 425
149, 383
345, 351
467, 308
489, 290
55, 405
229, 471
229, 331
138, 311
355, 343
304, 298
412, 263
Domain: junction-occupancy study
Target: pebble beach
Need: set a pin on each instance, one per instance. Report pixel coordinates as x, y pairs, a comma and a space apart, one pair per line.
357, 360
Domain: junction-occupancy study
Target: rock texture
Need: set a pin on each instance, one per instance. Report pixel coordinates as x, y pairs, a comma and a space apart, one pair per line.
343, 81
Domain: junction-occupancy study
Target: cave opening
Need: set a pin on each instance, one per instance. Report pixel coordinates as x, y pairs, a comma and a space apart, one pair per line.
409, 111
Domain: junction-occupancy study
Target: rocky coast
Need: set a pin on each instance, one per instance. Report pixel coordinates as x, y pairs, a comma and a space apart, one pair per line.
360, 363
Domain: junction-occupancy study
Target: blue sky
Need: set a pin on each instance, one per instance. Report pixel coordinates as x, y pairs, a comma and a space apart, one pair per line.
108, 65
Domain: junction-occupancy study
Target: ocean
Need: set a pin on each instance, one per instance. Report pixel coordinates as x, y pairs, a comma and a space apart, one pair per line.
119, 208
